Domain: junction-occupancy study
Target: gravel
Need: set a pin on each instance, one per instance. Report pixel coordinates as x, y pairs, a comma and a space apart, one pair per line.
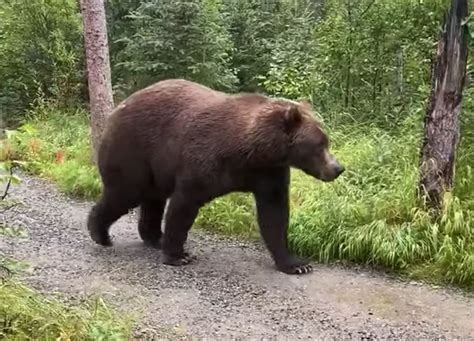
231, 291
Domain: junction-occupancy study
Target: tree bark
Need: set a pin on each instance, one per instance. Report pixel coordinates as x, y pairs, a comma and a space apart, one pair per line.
98, 67
441, 136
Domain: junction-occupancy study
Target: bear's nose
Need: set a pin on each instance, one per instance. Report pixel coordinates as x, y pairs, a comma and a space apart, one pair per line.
340, 169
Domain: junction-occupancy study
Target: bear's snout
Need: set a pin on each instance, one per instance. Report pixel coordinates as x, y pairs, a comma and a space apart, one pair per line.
339, 169
333, 169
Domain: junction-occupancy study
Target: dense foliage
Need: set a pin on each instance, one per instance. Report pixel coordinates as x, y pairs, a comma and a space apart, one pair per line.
41, 54
365, 66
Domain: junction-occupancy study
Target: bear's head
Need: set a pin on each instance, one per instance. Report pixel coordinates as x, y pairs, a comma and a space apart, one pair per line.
309, 145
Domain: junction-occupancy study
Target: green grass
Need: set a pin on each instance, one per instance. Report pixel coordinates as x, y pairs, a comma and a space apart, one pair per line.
57, 148
371, 215
26, 314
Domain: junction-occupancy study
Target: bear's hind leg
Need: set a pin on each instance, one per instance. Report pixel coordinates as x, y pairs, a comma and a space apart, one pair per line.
179, 220
149, 224
105, 212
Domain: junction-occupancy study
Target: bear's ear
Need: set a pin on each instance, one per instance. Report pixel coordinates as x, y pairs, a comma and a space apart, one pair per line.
305, 105
292, 116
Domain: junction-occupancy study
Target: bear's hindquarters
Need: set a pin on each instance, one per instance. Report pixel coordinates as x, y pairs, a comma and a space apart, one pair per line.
125, 183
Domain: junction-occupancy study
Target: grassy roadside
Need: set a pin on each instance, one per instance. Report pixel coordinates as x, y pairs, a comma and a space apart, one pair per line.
26, 314
370, 215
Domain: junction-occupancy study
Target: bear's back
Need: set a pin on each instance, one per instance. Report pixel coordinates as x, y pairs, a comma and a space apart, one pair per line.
174, 107
162, 109
175, 120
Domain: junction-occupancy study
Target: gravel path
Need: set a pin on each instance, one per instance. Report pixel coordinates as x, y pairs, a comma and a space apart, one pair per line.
231, 291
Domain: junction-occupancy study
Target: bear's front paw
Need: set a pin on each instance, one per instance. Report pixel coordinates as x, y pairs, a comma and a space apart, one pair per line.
178, 260
100, 237
295, 267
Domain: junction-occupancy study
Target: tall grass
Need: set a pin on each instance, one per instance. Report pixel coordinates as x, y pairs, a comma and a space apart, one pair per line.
56, 146
370, 215
25, 314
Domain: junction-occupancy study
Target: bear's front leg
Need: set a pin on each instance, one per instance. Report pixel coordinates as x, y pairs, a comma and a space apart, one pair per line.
180, 217
271, 198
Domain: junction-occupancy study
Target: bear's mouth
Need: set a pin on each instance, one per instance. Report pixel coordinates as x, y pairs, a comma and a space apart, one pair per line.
313, 173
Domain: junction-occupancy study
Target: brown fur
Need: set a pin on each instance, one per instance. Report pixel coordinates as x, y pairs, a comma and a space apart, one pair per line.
181, 141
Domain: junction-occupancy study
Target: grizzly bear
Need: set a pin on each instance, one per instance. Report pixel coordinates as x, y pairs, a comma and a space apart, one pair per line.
180, 141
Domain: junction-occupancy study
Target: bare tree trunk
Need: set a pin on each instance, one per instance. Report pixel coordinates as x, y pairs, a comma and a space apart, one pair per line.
442, 134
98, 67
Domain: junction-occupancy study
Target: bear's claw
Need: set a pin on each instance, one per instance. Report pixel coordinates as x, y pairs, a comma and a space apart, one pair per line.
183, 259
303, 269
296, 267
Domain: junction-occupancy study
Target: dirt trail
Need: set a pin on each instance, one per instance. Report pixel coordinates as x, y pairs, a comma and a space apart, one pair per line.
231, 291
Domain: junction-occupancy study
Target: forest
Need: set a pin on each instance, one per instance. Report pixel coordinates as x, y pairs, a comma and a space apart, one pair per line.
365, 66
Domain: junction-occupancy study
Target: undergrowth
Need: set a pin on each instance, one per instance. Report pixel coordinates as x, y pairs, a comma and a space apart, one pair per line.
370, 215
56, 147
25, 314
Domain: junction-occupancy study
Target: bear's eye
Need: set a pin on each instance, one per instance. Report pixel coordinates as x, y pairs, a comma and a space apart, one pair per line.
310, 148
323, 140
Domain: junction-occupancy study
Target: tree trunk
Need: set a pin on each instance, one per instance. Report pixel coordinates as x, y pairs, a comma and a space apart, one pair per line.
98, 67
442, 134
